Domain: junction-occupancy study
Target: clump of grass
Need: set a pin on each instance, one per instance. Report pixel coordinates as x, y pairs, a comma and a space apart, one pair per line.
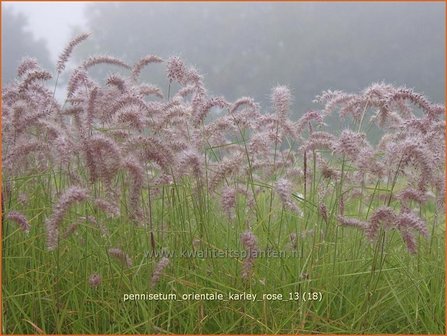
159, 173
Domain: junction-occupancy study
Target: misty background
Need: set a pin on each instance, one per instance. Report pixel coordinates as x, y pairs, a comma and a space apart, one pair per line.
245, 49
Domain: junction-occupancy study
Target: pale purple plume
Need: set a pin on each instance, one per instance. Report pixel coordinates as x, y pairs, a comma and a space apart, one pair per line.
249, 242
71, 196
63, 58
159, 270
20, 219
121, 256
94, 280
283, 188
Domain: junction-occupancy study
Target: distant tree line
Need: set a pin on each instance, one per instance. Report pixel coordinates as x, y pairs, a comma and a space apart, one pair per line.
245, 49
18, 42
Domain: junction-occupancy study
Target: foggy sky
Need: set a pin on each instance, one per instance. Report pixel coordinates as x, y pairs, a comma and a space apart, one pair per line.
55, 22
52, 21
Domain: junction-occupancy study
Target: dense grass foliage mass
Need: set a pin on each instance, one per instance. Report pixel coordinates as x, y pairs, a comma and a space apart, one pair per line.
123, 187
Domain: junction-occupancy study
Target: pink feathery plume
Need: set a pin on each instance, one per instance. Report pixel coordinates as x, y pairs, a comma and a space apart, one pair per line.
190, 159
349, 143
412, 149
153, 149
27, 64
63, 58
228, 200
20, 219
78, 79
69, 197
121, 256
281, 98
322, 209
103, 59
319, 140
227, 167
302, 122
132, 117
417, 99
109, 208
177, 70
33, 76
409, 220
138, 67
209, 104
411, 194
409, 239
284, 189
249, 242
136, 172
383, 214
118, 82
128, 101
94, 280
106, 156
158, 271
150, 90
353, 222
91, 107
